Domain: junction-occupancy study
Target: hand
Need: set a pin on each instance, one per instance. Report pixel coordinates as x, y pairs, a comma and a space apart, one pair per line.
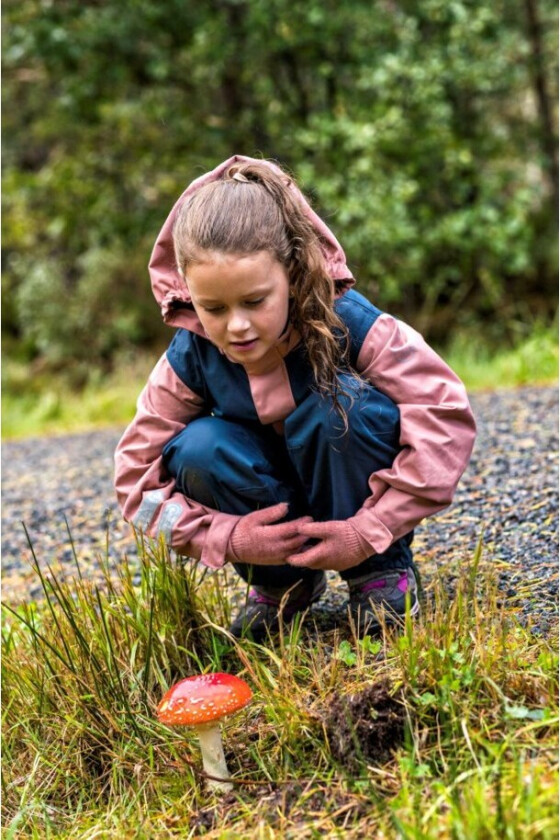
257, 540
340, 546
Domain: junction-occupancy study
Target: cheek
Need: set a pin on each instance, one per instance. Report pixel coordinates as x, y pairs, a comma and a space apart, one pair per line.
282, 304
210, 325
276, 317
285, 311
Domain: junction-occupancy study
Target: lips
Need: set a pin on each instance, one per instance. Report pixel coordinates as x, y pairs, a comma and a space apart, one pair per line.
244, 345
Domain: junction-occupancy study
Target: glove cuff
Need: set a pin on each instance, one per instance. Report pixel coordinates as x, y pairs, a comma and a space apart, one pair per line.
356, 545
240, 542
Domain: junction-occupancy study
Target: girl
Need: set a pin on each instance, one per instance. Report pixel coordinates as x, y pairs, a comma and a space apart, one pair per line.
291, 427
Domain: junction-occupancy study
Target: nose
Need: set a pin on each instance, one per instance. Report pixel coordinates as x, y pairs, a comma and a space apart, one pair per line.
238, 323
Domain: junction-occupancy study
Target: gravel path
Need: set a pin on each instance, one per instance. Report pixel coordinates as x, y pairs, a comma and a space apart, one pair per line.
509, 494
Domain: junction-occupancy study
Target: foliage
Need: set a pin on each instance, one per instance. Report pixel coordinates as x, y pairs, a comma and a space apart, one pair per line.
532, 361
473, 752
422, 129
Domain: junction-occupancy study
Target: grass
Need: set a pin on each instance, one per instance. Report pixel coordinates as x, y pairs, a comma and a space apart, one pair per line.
534, 361
45, 405
446, 729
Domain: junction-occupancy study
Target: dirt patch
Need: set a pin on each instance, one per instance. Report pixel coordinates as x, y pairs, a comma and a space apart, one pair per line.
365, 727
283, 806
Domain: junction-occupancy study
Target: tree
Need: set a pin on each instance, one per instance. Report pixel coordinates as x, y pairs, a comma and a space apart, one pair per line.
424, 130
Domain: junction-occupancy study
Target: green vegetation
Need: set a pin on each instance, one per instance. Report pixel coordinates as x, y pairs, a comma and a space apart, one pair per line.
47, 405
534, 361
447, 729
424, 131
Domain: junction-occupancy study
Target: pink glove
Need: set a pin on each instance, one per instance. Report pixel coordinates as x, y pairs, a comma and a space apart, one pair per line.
255, 539
340, 546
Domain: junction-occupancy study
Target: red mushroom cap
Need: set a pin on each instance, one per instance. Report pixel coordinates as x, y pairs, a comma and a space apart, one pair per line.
203, 699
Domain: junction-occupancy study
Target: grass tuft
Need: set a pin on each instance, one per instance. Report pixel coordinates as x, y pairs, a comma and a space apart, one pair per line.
444, 728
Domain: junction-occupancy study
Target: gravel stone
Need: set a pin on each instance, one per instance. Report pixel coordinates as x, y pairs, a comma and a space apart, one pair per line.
508, 497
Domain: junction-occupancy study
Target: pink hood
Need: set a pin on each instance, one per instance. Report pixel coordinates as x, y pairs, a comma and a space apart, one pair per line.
170, 289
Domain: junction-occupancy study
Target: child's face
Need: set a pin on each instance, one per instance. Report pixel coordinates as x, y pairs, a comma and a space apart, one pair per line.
241, 301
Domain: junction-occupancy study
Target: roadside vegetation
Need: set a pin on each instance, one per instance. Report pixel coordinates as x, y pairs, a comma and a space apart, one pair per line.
445, 729
47, 404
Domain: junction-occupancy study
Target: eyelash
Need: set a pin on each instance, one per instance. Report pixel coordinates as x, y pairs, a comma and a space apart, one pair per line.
218, 309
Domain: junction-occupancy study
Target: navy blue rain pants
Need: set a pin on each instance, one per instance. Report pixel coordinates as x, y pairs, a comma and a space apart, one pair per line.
317, 468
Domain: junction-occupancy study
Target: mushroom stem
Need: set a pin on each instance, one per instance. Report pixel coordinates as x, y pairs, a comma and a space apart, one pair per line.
213, 758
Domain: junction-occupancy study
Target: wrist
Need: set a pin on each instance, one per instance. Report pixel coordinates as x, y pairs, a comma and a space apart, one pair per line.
237, 543
371, 530
358, 547
215, 545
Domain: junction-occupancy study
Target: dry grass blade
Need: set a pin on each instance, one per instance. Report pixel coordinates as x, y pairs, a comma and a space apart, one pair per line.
444, 729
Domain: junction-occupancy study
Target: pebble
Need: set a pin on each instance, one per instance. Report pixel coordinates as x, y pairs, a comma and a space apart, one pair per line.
508, 496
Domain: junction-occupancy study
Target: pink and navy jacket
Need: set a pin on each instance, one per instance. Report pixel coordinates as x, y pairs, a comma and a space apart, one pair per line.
196, 378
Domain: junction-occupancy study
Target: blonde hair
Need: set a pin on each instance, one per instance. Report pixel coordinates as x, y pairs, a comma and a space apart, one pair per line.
250, 209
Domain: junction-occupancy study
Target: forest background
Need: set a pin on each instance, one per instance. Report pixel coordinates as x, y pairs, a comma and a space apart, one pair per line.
424, 131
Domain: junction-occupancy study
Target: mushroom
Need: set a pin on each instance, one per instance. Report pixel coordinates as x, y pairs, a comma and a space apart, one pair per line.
201, 702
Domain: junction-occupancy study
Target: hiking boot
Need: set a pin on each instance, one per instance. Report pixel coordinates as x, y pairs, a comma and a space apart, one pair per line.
264, 605
381, 597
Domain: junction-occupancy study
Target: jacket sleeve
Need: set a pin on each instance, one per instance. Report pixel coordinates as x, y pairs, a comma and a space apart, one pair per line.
146, 492
437, 431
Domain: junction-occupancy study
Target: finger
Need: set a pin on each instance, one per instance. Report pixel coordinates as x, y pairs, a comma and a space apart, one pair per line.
315, 554
278, 558
270, 514
315, 530
284, 530
318, 564
269, 561
282, 550
293, 546
296, 523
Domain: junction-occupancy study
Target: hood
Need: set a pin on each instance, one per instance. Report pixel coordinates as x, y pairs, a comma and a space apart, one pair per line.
169, 287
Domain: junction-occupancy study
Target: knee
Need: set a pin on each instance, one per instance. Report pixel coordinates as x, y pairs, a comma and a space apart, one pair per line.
224, 466
193, 449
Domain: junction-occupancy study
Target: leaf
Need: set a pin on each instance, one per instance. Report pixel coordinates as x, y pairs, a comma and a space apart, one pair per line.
369, 645
346, 654
427, 698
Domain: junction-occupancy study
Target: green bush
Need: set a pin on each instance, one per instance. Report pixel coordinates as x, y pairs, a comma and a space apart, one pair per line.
422, 129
